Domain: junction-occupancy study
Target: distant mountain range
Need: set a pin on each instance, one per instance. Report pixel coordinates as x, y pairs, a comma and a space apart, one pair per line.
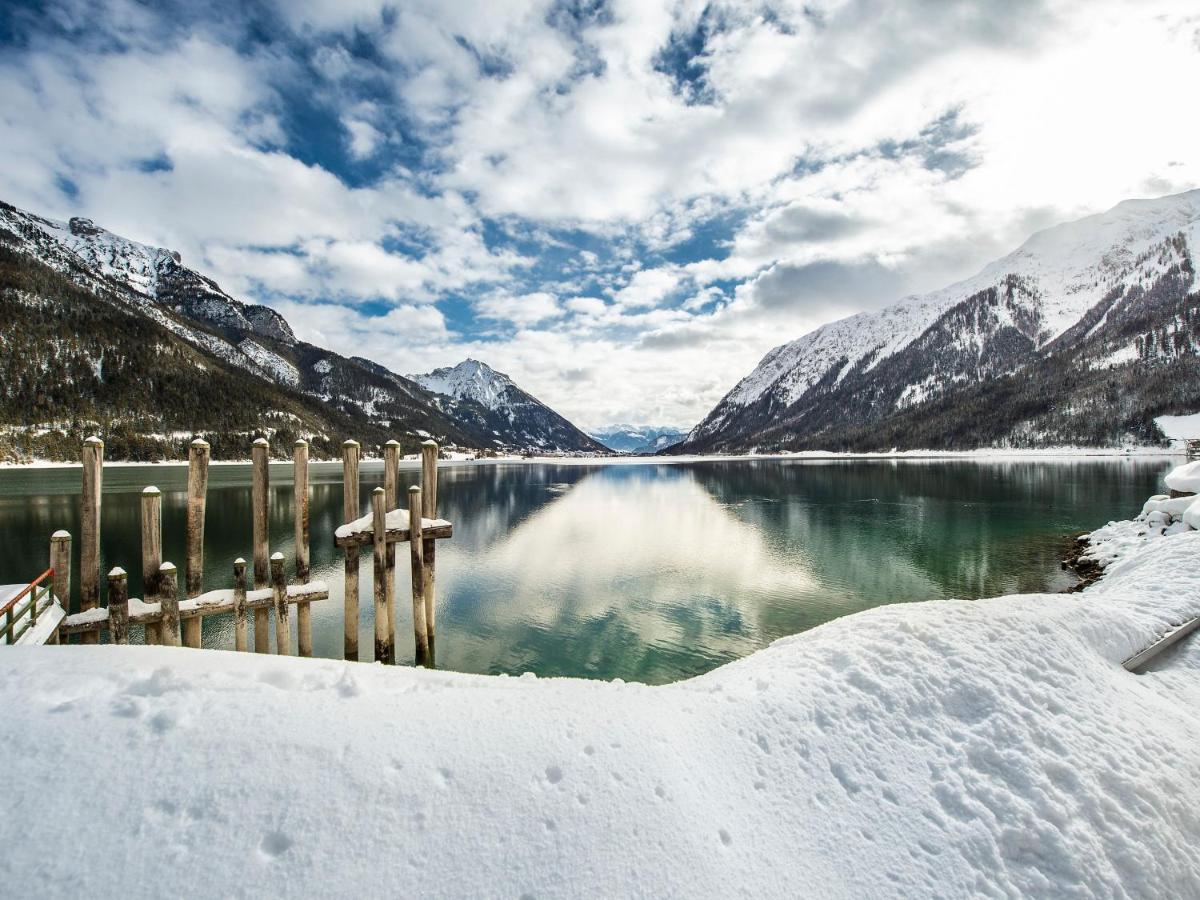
105, 335
635, 439
1082, 336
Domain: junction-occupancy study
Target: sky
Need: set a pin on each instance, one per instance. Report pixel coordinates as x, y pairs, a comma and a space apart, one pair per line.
622, 205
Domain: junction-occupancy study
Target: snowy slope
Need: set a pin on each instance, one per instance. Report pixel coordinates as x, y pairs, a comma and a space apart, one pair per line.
495, 402
637, 438
954, 749
1063, 273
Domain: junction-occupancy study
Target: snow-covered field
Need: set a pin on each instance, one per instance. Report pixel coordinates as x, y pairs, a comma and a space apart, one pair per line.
952, 748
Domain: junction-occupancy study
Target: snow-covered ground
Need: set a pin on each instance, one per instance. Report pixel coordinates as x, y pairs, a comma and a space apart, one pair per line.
950, 748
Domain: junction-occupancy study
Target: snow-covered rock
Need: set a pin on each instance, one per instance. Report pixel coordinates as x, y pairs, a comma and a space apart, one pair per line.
948, 748
1184, 478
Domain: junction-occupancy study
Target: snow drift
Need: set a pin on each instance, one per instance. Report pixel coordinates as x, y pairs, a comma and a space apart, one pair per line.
951, 748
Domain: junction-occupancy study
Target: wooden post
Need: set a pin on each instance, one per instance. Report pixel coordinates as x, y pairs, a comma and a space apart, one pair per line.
168, 598
300, 482
429, 458
383, 639
283, 637
197, 499
60, 562
416, 546
241, 641
118, 606
151, 554
391, 475
260, 454
349, 514
89, 544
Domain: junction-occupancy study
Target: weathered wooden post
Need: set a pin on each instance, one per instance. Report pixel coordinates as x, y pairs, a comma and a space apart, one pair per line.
416, 546
391, 477
300, 482
429, 460
60, 562
283, 637
89, 547
241, 641
349, 514
168, 598
260, 454
151, 554
383, 638
197, 500
118, 606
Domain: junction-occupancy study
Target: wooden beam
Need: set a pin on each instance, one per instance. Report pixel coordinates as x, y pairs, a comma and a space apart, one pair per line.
364, 532
89, 543
391, 481
416, 549
151, 552
168, 604
383, 640
283, 635
350, 510
118, 606
60, 562
241, 641
260, 456
429, 486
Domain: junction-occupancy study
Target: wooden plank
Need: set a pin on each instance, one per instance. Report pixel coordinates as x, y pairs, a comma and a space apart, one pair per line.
283, 635
350, 509
429, 486
89, 537
431, 529
383, 640
391, 480
416, 551
118, 606
260, 456
241, 640
210, 603
197, 488
168, 604
151, 552
1168, 640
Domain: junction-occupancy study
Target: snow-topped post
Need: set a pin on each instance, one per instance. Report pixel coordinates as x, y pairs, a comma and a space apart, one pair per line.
151, 554
416, 545
429, 476
383, 638
300, 486
391, 478
118, 606
283, 637
89, 545
168, 599
241, 641
349, 514
260, 454
60, 562
198, 454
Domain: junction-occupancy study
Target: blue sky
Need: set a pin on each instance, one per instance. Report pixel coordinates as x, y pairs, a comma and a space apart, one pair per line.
623, 205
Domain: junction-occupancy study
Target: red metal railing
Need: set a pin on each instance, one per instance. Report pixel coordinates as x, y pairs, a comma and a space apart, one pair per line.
36, 591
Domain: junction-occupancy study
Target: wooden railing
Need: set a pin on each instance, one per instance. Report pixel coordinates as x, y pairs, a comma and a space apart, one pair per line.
18, 621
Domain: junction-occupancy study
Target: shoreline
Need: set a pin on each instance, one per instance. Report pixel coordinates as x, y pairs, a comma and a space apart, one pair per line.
986, 454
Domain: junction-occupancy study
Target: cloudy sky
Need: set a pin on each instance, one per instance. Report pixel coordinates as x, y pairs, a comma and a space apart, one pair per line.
623, 205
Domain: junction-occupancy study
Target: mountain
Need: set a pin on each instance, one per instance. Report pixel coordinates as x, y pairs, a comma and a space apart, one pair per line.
643, 439
103, 334
492, 404
1081, 336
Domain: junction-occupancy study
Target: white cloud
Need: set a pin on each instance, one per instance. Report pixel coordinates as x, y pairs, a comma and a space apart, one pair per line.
525, 309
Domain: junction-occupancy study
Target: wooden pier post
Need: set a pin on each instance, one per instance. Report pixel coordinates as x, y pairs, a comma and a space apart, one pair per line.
260, 454
241, 641
89, 546
416, 546
168, 598
349, 514
151, 554
118, 606
197, 500
383, 638
283, 637
60, 562
391, 488
300, 487
429, 476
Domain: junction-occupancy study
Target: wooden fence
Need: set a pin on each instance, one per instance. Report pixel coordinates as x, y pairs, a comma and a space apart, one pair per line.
171, 621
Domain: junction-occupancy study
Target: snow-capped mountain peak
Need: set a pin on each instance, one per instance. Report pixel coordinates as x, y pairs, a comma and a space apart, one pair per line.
470, 380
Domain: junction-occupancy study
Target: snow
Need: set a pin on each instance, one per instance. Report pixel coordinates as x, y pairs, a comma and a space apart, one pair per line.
396, 519
1180, 427
949, 748
471, 380
1185, 477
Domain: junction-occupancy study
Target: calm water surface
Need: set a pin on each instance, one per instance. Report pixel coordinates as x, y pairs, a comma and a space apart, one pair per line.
646, 572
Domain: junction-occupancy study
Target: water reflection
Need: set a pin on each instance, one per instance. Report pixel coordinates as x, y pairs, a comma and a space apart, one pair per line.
650, 572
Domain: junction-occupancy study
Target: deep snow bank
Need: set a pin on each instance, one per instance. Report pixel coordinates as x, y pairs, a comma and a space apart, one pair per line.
992, 748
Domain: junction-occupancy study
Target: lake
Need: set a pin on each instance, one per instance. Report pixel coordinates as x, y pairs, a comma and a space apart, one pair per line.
644, 571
